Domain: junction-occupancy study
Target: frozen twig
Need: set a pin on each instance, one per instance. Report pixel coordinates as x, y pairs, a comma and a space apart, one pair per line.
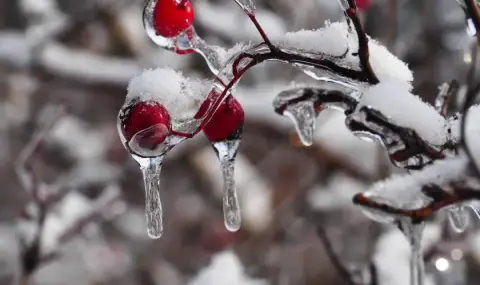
445, 93
363, 50
440, 199
23, 166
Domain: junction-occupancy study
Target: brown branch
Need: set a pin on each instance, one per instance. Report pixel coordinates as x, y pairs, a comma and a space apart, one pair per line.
363, 50
333, 256
441, 199
23, 165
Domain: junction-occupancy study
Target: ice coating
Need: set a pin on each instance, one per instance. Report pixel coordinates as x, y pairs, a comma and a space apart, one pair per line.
227, 151
335, 39
151, 170
304, 117
179, 95
247, 5
414, 233
459, 218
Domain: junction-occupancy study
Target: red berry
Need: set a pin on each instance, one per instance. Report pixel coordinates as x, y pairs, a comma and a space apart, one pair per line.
363, 4
171, 18
226, 121
150, 118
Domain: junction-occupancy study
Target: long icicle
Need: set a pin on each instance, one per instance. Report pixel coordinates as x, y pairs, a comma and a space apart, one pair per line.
151, 169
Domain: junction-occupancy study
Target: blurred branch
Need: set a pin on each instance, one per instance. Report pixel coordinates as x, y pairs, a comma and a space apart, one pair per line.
440, 199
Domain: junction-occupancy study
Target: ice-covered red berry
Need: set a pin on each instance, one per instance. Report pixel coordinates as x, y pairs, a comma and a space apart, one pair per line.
170, 17
148, 122
227, 120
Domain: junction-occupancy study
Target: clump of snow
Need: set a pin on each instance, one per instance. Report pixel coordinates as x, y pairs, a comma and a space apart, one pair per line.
394, 100
405, 191
225, 268
334, 39
181, 96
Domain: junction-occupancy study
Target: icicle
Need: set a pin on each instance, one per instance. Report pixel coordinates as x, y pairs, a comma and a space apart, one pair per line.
227, 151
303, 115
151, 168
474, 206
459, 218
413, 233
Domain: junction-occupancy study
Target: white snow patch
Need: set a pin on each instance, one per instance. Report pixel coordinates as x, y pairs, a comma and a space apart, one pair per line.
334, 39
225, 268
405, 191
394, 100
180, 96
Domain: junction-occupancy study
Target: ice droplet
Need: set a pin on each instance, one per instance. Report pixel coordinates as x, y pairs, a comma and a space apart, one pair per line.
151, 169
227, 151
247, 5
303, 116
413, 233
459, 218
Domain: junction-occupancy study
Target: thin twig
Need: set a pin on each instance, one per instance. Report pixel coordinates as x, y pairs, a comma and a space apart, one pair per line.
363, 50
332, 255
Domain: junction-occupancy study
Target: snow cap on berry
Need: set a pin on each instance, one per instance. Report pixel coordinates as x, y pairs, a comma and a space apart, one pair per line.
179, 95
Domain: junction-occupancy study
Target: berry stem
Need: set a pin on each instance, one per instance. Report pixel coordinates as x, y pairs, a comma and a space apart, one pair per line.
182, 3
261, 31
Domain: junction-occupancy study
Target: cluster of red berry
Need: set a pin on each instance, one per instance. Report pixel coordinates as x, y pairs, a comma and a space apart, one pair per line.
171, 18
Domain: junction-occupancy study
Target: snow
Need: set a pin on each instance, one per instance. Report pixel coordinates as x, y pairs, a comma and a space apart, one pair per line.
334, 39
336, 194
86, 66
225, 268
404, 191
69, 210
394, 100
180, 96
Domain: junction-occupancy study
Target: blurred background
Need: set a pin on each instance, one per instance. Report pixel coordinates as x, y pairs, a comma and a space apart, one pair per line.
64, 68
